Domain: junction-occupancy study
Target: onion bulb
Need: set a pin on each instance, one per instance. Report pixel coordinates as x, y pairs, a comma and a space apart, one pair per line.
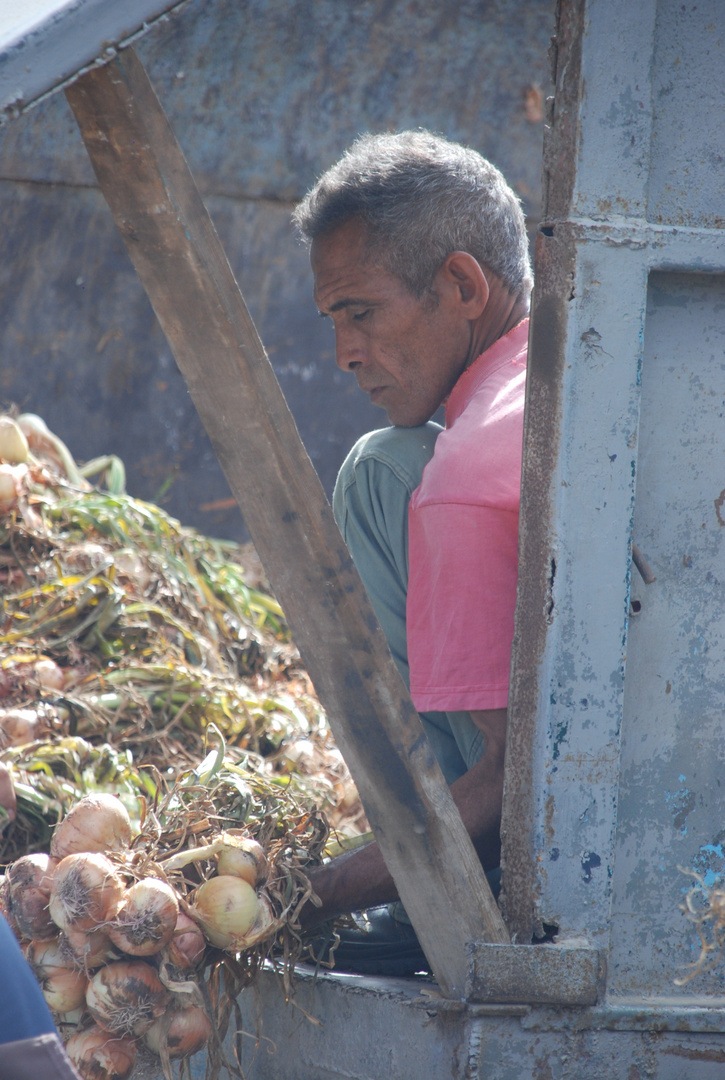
100, 1056
48, 674
265, 924
146, 918
13, 444
185, 949
21, 726
87, 949
184, 1032
97, 823
9, 488
64, 987
85, 892
28, 882
126, 997
226, 907
243, 857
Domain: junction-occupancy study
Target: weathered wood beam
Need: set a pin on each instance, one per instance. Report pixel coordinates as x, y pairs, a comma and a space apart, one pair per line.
177, 254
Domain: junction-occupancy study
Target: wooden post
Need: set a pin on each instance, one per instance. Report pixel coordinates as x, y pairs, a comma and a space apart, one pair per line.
172, 243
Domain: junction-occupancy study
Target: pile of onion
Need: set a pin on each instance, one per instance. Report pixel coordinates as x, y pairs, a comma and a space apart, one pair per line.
110, 955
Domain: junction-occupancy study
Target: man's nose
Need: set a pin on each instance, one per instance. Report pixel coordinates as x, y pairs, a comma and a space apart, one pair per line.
349, 349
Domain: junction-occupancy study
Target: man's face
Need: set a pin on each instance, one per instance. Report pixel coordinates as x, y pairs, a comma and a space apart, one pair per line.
406, 353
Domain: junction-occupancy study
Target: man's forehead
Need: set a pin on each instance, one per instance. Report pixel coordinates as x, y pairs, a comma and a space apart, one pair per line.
340, 262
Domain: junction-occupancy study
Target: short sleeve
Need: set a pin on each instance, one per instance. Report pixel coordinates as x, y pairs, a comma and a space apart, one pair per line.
460, 608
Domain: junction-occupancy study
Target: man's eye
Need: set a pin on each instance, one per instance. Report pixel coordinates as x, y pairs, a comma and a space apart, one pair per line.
360, 315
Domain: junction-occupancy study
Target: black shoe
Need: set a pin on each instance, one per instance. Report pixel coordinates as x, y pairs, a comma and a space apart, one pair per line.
378, 944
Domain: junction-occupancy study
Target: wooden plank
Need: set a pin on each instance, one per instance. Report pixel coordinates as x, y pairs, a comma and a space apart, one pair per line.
178, 256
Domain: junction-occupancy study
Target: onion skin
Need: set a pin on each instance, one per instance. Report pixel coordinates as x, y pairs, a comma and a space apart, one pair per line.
21, 726
13, 443
64, 987
187, 945
48, 674
11, 481
186, 1032
126, 997
264, 926
100, 1056
85, 892
87, 949
225, 907
98, 823
146, 919
28, 883
245, 858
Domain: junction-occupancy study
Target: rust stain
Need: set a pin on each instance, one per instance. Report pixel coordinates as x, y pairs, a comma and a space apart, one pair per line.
719, 502
549, 819
534, 104
695, 1055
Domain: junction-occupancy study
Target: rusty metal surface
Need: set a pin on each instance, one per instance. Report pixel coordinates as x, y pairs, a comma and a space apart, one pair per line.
566, 974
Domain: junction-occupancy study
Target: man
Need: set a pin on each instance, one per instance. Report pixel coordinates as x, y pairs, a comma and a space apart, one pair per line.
420, 260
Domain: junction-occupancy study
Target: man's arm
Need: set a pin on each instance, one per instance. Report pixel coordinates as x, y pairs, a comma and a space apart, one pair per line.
360, 878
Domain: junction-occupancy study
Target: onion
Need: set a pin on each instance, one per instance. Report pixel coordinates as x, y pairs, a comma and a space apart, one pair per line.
100, 1056
13, 444
85, 892
64, 987
186, 948
97, 823
183, 1033
48, 674
146, 919
129, 564
264, 926
5, 910
126, 997
28, 883
9, 488
88, 949
21, 726
226, 907
243, 857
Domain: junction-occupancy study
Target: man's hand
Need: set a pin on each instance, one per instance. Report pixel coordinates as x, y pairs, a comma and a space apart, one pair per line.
360, 878
7, 791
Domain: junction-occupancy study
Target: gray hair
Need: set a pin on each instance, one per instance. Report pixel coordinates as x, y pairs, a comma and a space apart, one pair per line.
422, 197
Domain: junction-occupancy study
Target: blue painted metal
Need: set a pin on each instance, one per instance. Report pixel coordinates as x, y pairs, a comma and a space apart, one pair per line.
619, 687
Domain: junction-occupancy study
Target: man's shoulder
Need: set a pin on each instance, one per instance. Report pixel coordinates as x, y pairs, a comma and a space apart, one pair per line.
477, 460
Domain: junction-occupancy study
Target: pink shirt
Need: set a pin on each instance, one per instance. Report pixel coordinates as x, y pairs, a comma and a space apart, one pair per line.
463, 538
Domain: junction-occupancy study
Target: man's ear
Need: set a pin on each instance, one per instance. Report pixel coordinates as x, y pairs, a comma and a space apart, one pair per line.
463, 280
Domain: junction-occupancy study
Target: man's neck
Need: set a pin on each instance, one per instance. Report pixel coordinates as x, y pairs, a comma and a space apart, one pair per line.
503, 312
